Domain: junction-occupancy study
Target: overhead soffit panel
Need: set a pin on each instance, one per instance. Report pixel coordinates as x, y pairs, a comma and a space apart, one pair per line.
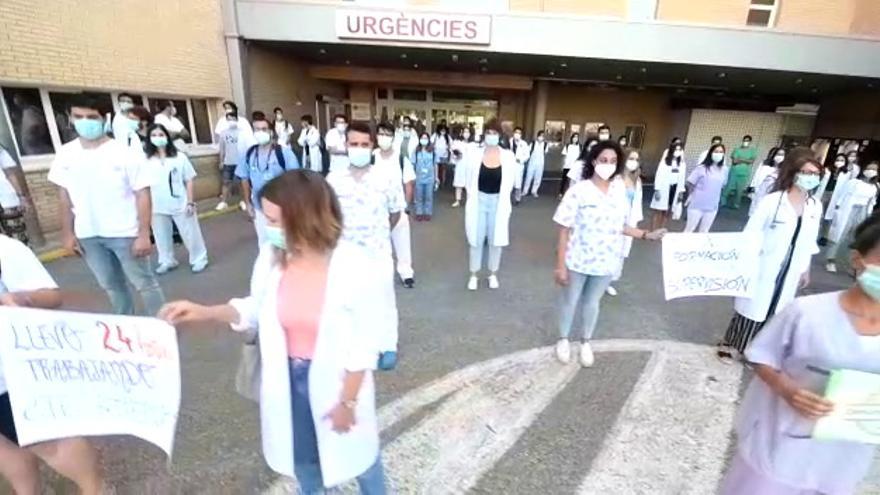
597, 38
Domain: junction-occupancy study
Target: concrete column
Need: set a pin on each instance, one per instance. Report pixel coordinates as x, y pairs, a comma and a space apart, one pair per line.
540, 99
236, 56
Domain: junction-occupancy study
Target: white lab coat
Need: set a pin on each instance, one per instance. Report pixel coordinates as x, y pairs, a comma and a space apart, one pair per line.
839, 187
775, 220
336, 139
823, 186
310, 138
572, 152
509, 168
461, 174
855, 193
521, 155
411, 145
666, 176
351, 322
763, 188
635, 216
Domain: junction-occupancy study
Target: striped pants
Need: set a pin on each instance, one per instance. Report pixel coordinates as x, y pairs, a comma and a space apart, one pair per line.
741, 332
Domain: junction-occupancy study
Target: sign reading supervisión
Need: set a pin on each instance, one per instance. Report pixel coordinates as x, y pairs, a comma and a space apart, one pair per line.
414, 26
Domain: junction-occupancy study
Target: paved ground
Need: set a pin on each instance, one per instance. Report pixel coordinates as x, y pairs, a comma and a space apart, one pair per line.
476, 405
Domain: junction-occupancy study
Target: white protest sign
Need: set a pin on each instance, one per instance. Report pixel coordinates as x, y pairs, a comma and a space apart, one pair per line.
72, 374
724, 264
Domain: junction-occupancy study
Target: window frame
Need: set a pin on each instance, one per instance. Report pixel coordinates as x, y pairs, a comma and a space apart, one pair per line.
773, 9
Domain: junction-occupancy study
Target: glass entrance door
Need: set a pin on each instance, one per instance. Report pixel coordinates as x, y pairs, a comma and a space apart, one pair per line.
428, 108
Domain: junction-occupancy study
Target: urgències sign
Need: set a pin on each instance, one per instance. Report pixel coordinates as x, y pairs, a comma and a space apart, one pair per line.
414, 26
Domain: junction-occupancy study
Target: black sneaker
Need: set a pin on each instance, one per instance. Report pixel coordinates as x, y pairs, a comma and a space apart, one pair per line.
409, 283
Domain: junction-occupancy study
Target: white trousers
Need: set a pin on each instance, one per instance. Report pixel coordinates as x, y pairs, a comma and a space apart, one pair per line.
402, 244
518, 180
260, 223
534, 176
700, 221
190, 232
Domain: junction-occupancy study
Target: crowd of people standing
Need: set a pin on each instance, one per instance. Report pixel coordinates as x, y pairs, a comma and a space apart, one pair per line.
332, 228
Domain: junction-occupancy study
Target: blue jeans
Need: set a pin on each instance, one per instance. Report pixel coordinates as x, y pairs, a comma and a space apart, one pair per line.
424, 200
112, 262
591, 288
306, 463
488, 209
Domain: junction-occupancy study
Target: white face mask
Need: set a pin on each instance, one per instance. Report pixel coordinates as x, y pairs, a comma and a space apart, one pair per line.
870, 173
360, 157
605, 170
262, 137
677, 153
839, 163
540, 139
423, 141
466, 136
384, 142
604, 137
778, 159
717, 157
632, 165
341, 126
517, 136
125, 106
746, 144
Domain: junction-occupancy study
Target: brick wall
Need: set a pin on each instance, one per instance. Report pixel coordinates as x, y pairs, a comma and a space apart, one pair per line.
45, 194
160, 46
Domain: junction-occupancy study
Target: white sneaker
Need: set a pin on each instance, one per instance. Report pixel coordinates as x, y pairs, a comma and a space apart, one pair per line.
493, 282
611, 291
831, 267
534, 195
563, 351
162, 268
587, 358
456, 204
199, 267
221, 206
242, 205
473, 283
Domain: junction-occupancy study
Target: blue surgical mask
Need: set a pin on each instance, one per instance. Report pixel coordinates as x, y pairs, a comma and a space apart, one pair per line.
869, 281
159, 141
807, 182
262, 137
423, 141
89, 129
275, 236
360, 157
491, 139
133, 125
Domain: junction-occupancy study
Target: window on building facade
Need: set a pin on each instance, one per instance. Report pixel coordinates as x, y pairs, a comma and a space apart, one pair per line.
762, 13
635, 135
61, 112
202, 121
157, 103
28, 121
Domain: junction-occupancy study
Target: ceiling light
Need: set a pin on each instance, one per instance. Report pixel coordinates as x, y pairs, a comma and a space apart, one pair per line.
415, 66
798, 80
322, 51
814, 90
348, 62
644, 70
752, 85
722, 75
403, 55
680, 90
719, 93
687, 81
563, 64
484, 69
618, 77
871, 85
552, 73
640, 88
455, 57
484, 61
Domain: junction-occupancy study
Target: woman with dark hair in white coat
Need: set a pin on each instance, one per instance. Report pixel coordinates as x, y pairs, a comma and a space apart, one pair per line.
787, 222
570, 154
318, 307
854, 205
669, 185
492, 173
463, 140
632, 179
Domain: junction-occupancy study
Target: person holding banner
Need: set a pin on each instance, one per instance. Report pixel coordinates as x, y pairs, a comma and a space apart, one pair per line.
25, 282
793, 356
317, 304
704, 187
788, 222
633, 181
592, 219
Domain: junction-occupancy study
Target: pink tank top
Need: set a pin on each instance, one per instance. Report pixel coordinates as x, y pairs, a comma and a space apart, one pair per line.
300, 303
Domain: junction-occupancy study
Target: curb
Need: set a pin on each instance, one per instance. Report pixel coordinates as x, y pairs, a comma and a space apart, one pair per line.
60, 253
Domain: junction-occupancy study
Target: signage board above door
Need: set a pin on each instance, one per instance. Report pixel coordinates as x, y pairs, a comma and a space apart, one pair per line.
414, 26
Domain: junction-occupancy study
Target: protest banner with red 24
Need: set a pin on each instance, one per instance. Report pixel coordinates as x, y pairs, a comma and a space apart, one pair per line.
72, 374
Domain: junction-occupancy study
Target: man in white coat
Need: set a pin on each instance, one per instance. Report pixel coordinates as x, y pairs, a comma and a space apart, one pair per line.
388, 158
335, 143
535, 166
310, 142
520, 149
371, 201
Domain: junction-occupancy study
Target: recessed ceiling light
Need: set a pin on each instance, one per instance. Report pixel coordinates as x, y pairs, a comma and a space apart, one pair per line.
322, 51
455, 57
484, 61
644, 69
798, 80
719, 93
752, 85
415, 66
680, 90
814, 90
348, 62
403, 55
552, 73
618, 77
687, 81
640, 88
484, 69
563, 64
722, 75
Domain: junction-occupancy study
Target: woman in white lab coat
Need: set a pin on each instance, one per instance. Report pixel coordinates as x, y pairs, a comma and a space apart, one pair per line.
463, 140
570, 154
632, 178
765, 176
310, 141
173, 202
843, 174
669, 185
854, 205
576, 173
319, 312
491, 177
787, 223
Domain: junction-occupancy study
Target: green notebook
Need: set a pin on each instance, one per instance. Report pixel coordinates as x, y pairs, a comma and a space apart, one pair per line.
856, 415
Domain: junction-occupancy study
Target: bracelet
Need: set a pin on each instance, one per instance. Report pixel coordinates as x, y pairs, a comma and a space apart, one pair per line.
349, 404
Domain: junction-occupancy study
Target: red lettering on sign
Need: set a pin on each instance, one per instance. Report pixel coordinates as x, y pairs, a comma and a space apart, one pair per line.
402, 26
418, 27
386, 26
434, 31
470, 30
370, 25
454, 29
357, 26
